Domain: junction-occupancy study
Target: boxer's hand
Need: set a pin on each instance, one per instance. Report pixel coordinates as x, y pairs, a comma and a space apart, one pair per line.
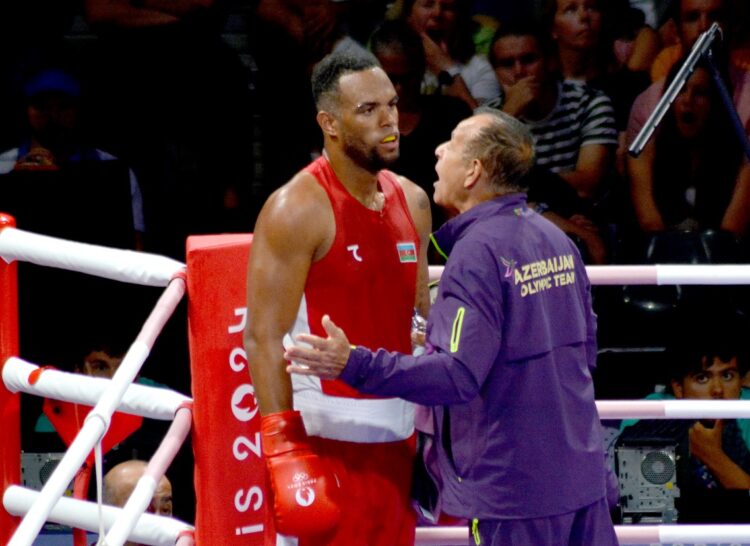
302, 485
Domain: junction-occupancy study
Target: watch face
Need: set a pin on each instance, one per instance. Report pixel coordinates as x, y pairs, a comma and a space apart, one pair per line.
445, 77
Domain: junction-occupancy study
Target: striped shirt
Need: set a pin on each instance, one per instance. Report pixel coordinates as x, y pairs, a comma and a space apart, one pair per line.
582, 116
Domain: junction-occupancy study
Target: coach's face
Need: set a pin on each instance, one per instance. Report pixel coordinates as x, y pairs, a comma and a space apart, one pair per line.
453, 168
367, 120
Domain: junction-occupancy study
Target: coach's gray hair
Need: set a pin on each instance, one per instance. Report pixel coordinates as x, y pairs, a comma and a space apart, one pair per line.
505, 149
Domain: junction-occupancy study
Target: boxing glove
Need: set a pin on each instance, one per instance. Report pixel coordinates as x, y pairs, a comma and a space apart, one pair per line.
303, 488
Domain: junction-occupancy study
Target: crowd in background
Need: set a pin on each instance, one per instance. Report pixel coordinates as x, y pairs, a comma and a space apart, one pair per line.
152, 120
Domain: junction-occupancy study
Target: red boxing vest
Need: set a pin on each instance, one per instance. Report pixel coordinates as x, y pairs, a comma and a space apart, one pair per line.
367, 284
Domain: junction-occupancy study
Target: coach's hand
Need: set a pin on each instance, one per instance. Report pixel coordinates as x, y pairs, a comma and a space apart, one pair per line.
325, 357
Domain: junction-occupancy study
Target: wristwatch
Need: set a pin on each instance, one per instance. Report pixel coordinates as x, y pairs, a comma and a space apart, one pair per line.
448, 76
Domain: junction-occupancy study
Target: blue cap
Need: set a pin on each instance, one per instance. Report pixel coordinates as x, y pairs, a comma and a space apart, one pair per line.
52, 80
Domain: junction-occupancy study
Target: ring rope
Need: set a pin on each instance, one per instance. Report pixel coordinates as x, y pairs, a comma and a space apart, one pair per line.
673, 409
144, 490
655, 274
626, 534
152, 529
91, 433
127, 266
150, 402
151, 270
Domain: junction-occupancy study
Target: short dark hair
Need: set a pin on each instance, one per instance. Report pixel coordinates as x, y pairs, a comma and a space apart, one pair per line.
396, 34
328, 72
701, 336
519, 28
674, 10
505, 148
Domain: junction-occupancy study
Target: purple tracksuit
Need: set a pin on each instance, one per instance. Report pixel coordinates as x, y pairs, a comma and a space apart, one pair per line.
511, 346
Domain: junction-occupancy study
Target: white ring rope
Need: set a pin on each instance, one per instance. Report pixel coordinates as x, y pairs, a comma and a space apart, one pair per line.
141, 496
110, 263
152, 270
673, 409
626, 534
150, 402
646, 409
655, 274
98, 419
151, 529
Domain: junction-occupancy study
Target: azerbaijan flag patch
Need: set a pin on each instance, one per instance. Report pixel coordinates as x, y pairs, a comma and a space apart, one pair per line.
407, 252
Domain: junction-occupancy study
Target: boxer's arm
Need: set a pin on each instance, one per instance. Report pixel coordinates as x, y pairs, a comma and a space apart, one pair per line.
419, 207
295, 224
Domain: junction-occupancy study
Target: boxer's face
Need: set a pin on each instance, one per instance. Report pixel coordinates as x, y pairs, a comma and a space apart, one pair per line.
367, 119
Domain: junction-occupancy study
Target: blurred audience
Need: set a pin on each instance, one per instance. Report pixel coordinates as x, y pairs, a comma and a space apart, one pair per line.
288, 37
595, 38
605, 45
173, 98
424, 121
573, 128
453, 65
692, 18
55, 138
692, 175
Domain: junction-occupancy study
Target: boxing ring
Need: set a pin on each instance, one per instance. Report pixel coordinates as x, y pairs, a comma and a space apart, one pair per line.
222, 413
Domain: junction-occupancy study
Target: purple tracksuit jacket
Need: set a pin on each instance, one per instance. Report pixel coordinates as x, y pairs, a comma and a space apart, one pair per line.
511, 346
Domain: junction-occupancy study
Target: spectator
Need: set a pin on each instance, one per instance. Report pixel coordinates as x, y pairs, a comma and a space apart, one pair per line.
173, 98
636, 42
56, 139
573, 129
712, 189
585, 32
707, 356
424, 121
289, 37
453, 66
693, 17
120, 482
100, 355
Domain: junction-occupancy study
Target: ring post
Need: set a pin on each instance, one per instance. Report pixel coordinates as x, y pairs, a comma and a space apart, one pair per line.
10, 405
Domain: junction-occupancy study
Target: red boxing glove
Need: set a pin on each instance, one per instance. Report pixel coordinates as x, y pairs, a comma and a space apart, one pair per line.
303, 487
